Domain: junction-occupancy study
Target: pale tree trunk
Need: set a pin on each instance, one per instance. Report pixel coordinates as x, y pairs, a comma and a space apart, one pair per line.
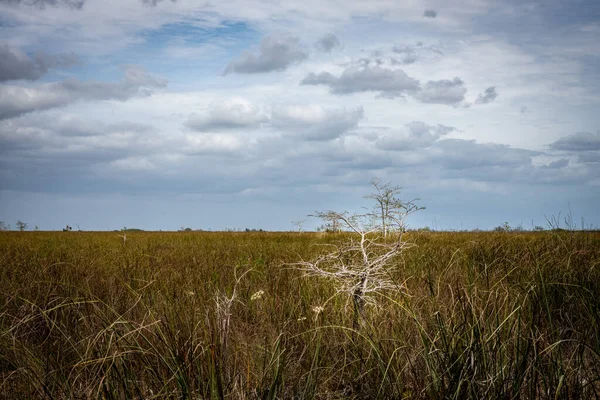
359, 301
383, 221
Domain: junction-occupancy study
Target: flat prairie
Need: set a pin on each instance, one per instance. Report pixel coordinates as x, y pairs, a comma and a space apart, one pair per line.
230, 315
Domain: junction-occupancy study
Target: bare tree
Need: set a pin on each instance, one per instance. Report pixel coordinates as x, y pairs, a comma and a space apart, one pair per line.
222, 323
21, 225
360, 266
3, 226
298, 224
331, 221
388, 208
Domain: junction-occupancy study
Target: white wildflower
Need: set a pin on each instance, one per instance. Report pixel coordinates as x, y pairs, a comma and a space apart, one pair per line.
257, 295
318, 309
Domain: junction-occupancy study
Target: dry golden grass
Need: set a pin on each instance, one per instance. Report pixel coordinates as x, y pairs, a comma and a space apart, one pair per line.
483, 315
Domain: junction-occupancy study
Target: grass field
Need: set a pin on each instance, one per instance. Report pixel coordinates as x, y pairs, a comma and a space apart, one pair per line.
481, 315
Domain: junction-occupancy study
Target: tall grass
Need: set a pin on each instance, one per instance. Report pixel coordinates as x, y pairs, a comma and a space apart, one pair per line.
160, 315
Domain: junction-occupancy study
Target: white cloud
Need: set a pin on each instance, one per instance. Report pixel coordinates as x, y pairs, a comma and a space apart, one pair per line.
315, 122
133, 164
232, 113
444, 91
211, 143
415, 135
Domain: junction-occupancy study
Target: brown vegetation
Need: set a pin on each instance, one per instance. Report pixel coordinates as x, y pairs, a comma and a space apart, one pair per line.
480, 315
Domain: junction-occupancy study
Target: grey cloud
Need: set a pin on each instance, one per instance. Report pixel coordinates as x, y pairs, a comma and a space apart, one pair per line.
17, 100
80, 154
328, 43
308, 122
36, 131
430, 13
137, 76
90, 90
153, 3
416, 135
443, 92
229, 114
563, 162
275, 54
591, 157
314, 122
407, 55
323, 78
75, 4
436, 158
52, 136
428, 154
15, 64
68, 153
581, 141
488, 96
388, 82
70, 125
152, 159
462, 154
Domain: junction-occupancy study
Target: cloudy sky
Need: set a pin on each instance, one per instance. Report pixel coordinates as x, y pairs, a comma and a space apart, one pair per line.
158, 114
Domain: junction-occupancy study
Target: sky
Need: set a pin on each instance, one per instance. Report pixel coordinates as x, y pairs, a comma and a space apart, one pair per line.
161, 114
